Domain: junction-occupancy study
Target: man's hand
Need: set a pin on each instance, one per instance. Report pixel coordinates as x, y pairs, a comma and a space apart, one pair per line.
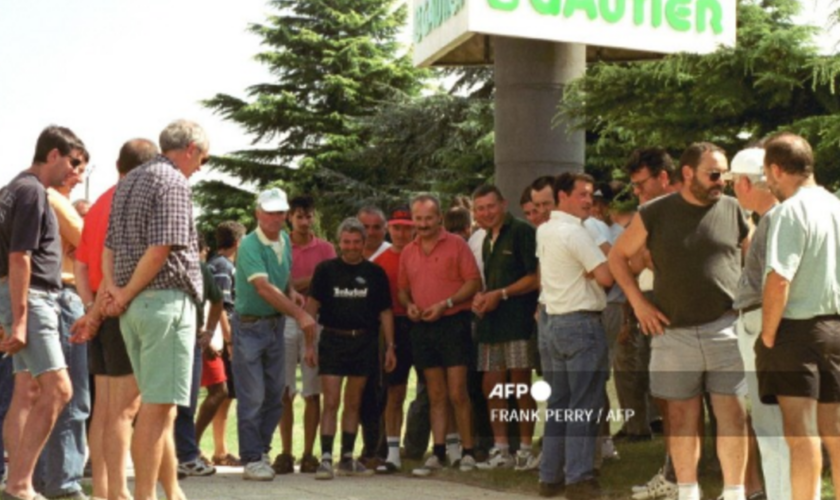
651, 319
306, 323
414, 313
85, 328
116, 301
768, 339
16, 340
298, 299
311, 356
205, 337
390, 359
434, 312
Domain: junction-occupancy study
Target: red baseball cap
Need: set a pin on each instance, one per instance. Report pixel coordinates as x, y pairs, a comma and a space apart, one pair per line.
401, 216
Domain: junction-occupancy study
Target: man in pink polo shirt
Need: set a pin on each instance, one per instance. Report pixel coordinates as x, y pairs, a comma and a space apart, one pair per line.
307, 252
438, 278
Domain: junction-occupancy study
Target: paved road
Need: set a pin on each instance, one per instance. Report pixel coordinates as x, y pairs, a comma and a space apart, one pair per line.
228, 484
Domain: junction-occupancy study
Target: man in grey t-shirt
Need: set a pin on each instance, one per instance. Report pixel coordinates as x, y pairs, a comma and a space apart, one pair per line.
747, 174
694, 237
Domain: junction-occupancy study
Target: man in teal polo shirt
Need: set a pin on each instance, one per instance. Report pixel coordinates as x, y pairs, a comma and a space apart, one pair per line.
264, 296
506, 325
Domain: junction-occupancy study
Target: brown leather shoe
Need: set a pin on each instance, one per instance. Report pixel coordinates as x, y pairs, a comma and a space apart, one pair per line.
309, 464
284, 464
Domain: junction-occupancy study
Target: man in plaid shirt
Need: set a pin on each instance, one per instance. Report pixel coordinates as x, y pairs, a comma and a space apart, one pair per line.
152, 280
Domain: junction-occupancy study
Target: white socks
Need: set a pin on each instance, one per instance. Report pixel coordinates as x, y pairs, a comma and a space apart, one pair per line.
689, 491
453, 447
734, 492
394, 451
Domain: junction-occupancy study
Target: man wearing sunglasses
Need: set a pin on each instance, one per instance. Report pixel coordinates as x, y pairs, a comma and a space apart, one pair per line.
695, 237
30, 280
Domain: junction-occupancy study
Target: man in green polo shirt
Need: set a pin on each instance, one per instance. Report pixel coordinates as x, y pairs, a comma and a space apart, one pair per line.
506, 320
264, 296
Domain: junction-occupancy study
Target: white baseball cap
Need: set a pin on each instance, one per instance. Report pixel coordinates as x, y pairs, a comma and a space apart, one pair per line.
273, 200
748, 161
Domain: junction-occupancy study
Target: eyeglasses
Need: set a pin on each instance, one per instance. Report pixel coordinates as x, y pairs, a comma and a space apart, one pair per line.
205, 160
75, 162
639, 184
715, 175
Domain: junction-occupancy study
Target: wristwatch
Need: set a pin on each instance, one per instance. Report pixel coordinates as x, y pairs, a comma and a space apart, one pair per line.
504, 294
449, 303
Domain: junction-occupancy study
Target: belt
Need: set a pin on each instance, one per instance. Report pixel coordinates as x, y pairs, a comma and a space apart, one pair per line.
349, 333
750, 308
244, 318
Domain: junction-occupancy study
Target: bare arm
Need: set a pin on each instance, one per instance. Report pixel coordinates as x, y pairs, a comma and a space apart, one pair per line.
80, 269
488, 301
465, 293
603, 276
775, 298
20, 267
147, 268
283, 304
301, 285
631, 241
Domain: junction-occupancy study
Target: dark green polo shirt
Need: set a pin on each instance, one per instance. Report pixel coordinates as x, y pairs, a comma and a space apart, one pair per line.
512, 256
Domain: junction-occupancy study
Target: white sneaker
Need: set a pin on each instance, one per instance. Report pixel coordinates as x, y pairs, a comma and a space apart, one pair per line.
520, 461
258, 471
467, 463
533, 462
432, 464
657, 487
453, 455
498, 460
608, 451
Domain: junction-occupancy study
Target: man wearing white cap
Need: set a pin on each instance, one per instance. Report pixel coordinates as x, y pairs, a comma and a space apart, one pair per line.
750, 183
264, 296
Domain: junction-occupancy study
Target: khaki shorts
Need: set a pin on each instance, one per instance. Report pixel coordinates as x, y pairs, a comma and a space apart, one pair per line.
513, 355
295, 352
159, 331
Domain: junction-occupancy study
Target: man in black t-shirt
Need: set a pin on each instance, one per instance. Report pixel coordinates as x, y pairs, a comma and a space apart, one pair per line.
353, 300
30, 278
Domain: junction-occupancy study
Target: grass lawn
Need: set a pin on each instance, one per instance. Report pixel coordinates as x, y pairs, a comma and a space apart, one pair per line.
638, 462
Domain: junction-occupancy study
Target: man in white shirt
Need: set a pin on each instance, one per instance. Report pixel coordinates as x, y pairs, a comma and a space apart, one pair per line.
573, 346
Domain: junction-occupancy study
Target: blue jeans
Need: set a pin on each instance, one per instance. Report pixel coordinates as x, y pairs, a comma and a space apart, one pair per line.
186, 446
573, 349
61, 465
7, 385
259, 377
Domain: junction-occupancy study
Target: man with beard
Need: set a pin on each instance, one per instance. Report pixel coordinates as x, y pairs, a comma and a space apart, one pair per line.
798, 355
351, 298
694, 237
30, 279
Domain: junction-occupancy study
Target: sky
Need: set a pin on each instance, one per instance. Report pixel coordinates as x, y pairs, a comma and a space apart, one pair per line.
113, 70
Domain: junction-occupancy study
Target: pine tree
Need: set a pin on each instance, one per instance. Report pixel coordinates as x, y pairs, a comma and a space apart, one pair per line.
334, 61
774, 79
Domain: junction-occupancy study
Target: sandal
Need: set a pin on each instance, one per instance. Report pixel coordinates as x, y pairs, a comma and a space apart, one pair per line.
228, 460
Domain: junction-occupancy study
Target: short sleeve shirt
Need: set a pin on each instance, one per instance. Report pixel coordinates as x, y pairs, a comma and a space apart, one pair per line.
152, 207
224, 274
259, 257
28, 224
750, 285
696, 256
389, 261
306, 257
567, 253
507, 260
803, 246
435, 277
212, 294
352, 296
93, 238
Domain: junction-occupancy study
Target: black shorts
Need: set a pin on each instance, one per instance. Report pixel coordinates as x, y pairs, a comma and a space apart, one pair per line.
403, 351
804, 361
106, 352
347, 356
443, 344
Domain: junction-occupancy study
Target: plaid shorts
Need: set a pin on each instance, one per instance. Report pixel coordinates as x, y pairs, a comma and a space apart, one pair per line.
513, 355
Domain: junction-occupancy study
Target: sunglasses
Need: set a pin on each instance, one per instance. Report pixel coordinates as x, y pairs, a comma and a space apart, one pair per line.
205, 160
75, 162
715, 176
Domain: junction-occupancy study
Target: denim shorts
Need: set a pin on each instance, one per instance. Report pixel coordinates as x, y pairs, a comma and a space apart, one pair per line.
686, 362
159, 332
43, 352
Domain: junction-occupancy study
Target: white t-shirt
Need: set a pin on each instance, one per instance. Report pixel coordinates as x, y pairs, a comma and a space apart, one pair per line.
384, 246
567, 253
476, 242
599, 231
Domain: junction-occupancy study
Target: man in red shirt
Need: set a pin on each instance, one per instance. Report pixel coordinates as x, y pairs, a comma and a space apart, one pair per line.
401, 229
437, 280
117, 395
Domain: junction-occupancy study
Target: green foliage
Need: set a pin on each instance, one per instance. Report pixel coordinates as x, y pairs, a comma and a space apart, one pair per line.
773, 80
335, 62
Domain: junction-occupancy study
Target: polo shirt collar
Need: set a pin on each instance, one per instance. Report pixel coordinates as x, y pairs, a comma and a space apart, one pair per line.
312, 243
278, 246
566, 217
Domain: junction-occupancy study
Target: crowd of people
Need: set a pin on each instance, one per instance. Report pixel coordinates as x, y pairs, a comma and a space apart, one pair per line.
691, 300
